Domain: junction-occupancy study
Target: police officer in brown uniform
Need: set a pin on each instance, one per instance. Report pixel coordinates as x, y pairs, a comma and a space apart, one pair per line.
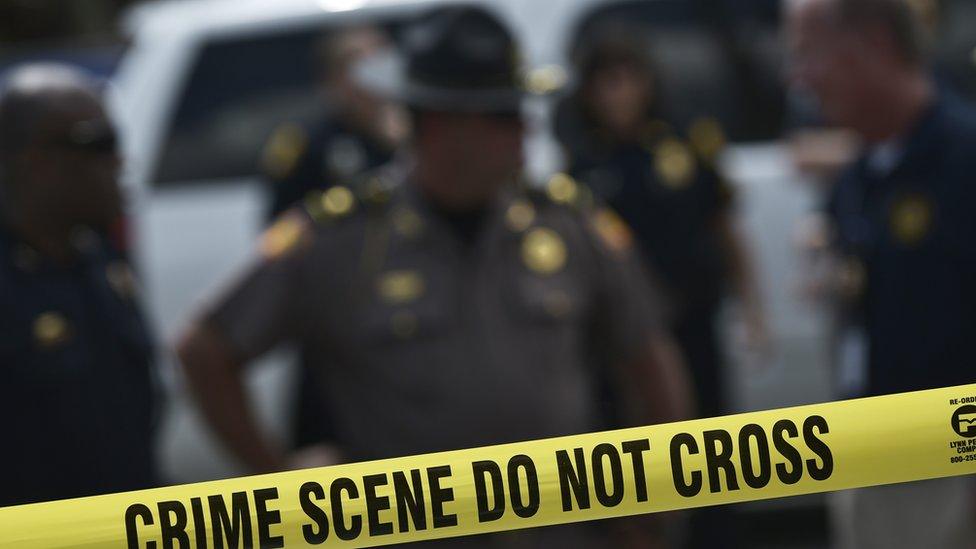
447, 305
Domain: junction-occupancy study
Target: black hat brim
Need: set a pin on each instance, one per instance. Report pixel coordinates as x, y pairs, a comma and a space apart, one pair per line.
385, 75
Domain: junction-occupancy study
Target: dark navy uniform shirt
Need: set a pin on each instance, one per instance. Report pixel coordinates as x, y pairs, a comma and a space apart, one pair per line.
671, 198
76, 398
300, 159
907, 231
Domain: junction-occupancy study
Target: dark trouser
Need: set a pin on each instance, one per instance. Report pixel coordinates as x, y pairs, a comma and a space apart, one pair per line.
698, 340
313, 422
710, 527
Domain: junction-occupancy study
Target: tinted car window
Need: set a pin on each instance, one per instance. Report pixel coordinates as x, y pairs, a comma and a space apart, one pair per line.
238, 90
724, 58
718, 58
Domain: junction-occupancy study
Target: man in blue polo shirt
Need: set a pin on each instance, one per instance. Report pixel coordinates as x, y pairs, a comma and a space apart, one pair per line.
904, 229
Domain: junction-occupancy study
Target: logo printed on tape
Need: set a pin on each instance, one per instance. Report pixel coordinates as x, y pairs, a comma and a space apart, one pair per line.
964, 421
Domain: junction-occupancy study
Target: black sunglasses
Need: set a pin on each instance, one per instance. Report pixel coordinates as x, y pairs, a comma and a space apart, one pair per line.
93, 136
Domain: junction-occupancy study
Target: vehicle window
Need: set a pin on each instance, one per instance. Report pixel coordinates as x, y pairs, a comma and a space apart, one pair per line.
717, 58
955, 47
725, 58
237, 92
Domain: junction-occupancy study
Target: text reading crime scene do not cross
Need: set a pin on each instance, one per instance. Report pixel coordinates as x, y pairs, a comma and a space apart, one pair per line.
392, 504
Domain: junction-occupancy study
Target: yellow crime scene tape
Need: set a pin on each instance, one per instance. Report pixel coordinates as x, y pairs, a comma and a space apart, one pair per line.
737, 458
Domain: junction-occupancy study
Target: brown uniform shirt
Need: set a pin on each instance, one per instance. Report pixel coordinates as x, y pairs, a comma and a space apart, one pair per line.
429, 344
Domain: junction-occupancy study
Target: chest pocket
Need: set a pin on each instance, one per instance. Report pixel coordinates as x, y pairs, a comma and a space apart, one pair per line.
543, 283
555, 300
406, 305
910, 219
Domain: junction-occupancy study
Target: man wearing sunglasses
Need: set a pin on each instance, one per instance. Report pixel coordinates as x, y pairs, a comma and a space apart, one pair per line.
445, 304
76, 395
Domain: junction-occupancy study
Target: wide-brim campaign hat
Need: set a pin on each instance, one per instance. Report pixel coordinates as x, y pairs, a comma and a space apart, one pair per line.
458, 58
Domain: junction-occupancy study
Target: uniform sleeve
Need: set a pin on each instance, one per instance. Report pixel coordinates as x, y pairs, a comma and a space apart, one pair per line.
628, 304
288, 166
720, 192
263, 307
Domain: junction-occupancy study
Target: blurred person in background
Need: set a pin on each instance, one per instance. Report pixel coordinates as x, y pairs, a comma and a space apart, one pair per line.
75, 355
357, 132
903, 224
668, 190
445, 304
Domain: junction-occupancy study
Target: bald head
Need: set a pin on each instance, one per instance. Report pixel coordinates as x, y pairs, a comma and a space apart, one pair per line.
34, 96
57, 147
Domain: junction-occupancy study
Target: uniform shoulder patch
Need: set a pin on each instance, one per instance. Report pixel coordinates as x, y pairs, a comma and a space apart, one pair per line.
283, 150
613, 232
285, 236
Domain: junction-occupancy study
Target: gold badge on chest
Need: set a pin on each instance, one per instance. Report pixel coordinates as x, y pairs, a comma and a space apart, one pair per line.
910, 218
674, 164
51, 329
543, 251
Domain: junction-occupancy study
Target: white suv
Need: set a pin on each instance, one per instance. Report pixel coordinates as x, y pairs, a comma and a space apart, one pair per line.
204, 82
